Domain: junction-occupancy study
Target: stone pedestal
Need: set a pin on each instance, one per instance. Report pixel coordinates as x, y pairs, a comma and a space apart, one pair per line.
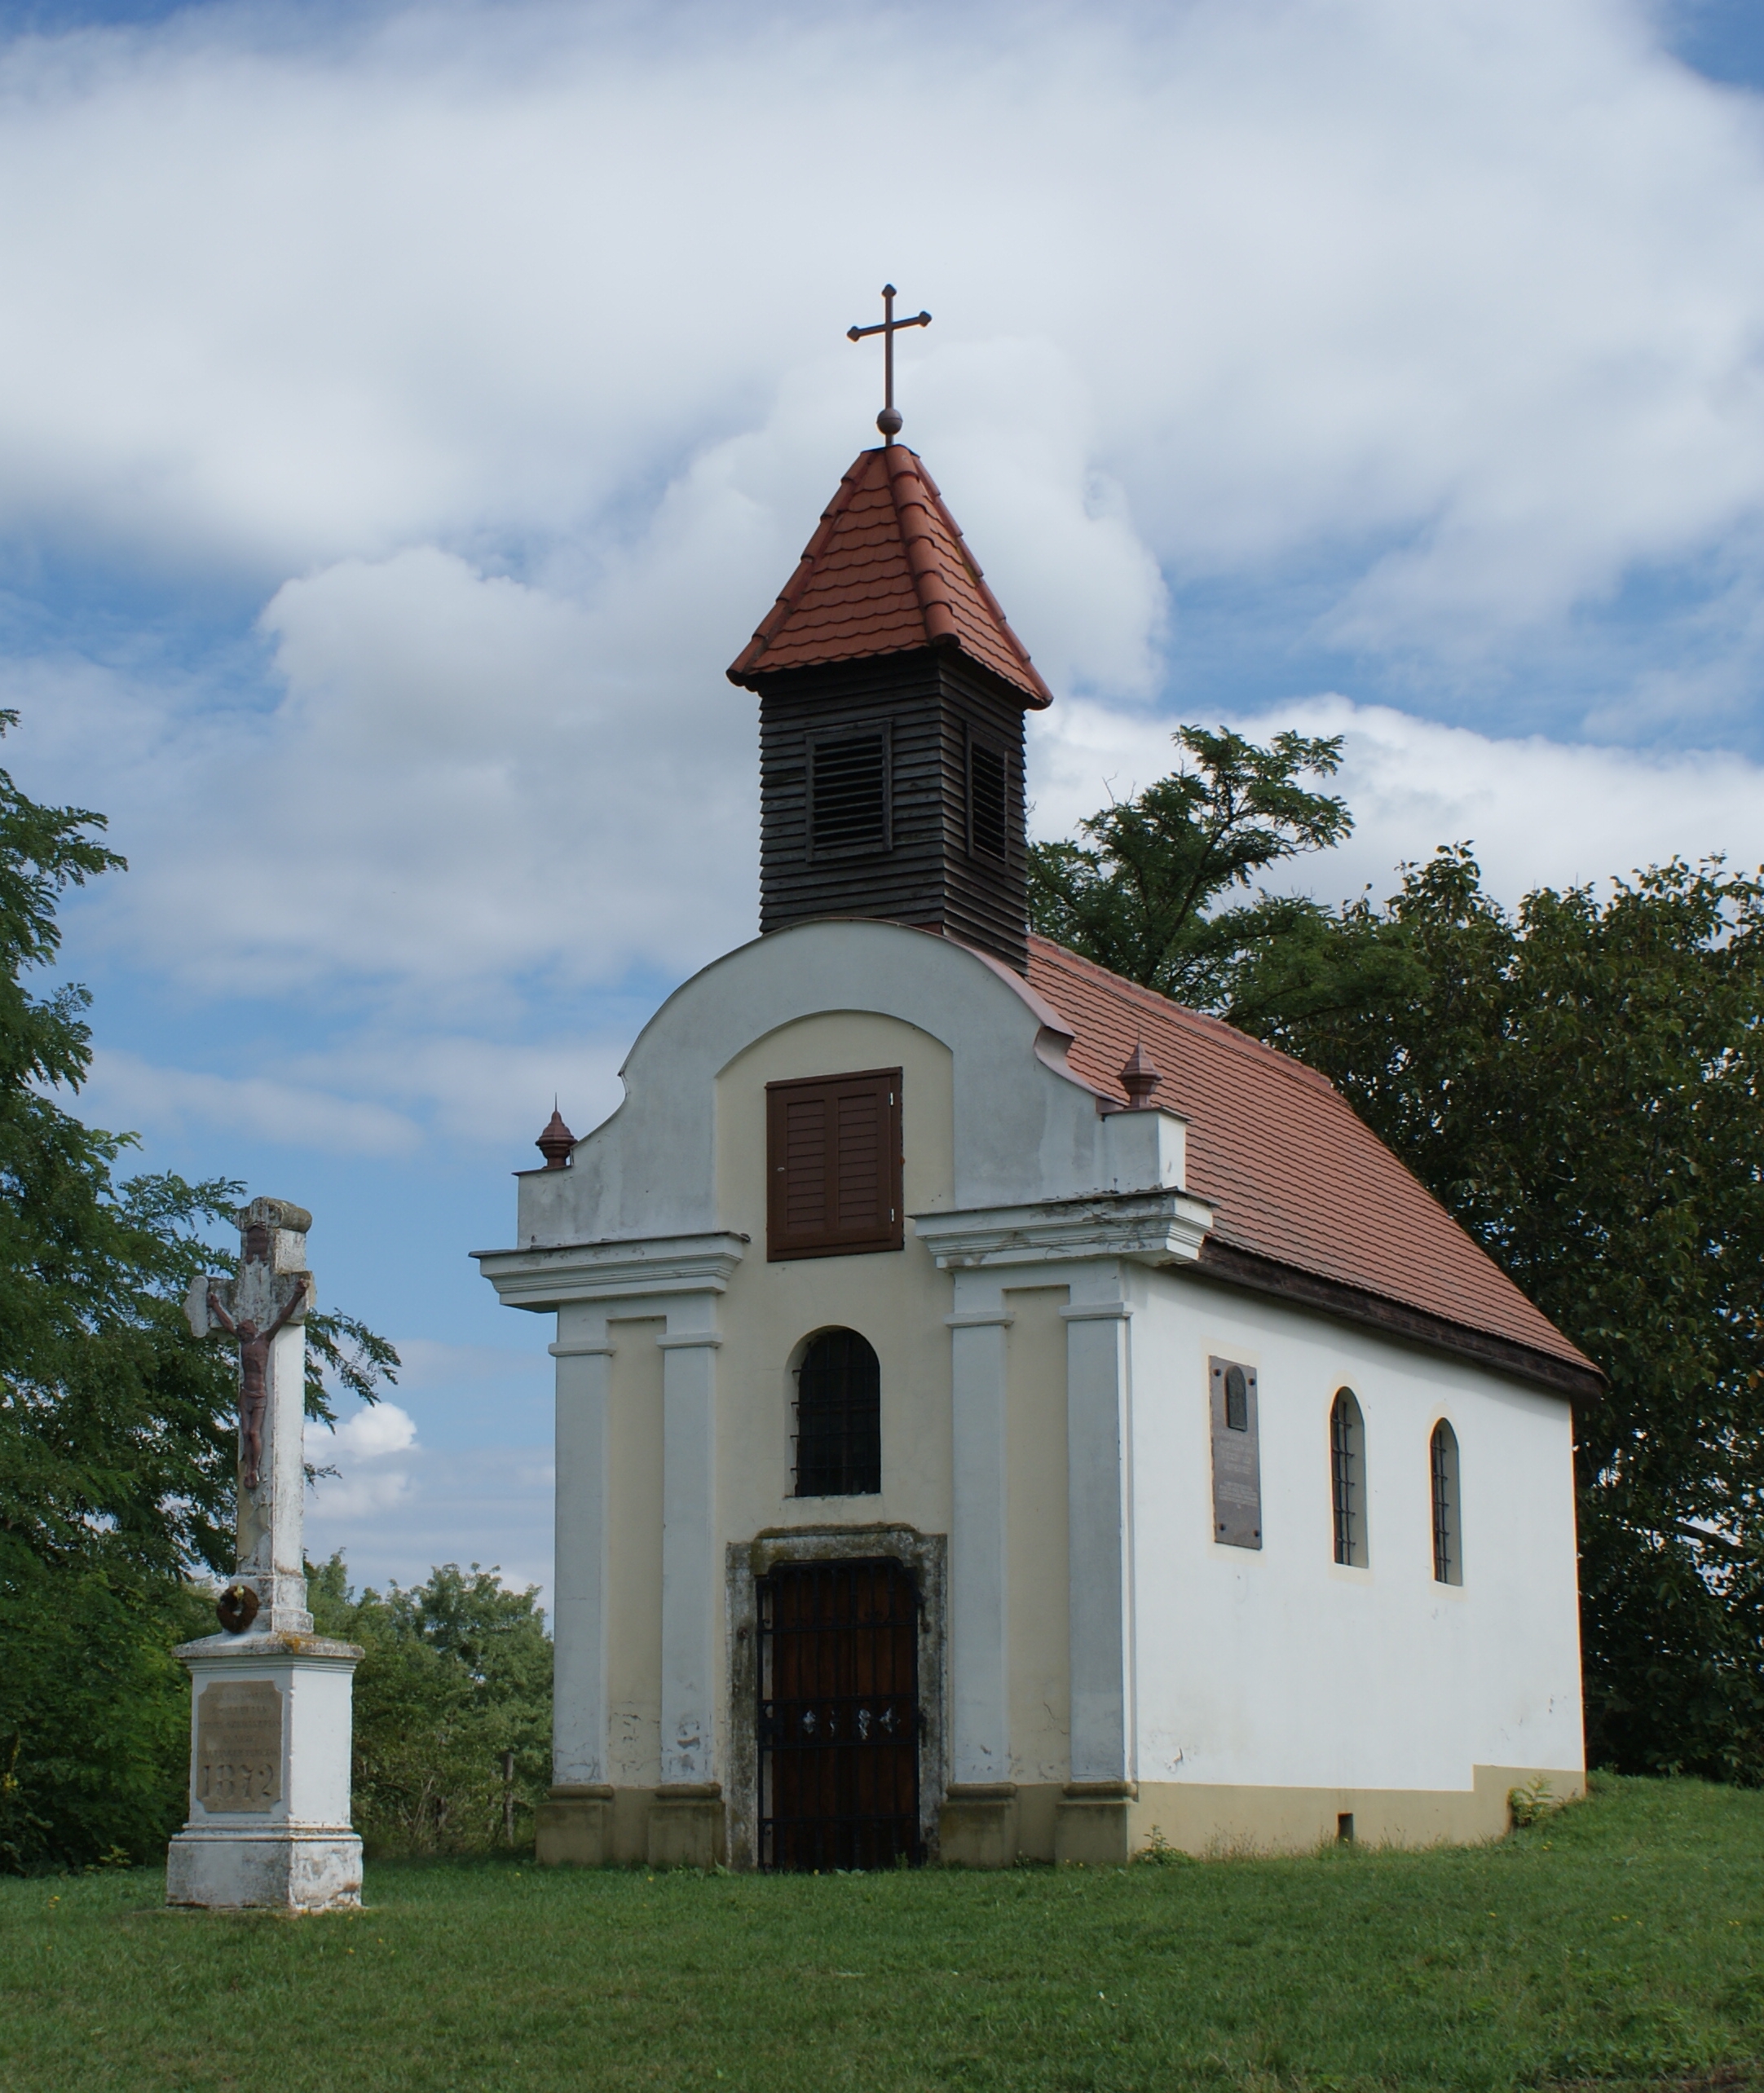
977, 1826
572, 1827
1092, 1823
686, 1825
269, 1776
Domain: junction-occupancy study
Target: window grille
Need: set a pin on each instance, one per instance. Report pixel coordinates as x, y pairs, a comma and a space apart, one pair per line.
989, 777
839, 1417
1347, 1478
834, 1166
1448, 1543
848, 795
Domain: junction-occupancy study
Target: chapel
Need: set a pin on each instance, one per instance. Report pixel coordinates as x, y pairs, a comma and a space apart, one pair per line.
1001, 1413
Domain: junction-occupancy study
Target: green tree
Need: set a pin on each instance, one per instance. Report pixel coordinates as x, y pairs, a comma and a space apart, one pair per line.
1582, 1084
454, 1688
116, 1427
1138, 897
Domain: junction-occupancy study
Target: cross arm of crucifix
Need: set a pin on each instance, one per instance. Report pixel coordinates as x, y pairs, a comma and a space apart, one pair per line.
300, 1298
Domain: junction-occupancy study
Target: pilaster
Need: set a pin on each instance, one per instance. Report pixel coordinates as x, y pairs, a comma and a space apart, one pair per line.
979, 1580
583, 1359
977, 1824
1092, 1822
685, 1824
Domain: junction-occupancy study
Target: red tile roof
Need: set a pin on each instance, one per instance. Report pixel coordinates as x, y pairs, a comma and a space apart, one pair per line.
887, 571
1294, 1176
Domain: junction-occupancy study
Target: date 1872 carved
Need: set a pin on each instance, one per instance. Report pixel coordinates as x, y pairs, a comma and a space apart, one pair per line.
239, 1745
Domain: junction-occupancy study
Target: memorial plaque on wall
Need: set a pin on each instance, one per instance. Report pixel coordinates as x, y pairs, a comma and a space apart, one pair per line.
239, 1745
1237, 1454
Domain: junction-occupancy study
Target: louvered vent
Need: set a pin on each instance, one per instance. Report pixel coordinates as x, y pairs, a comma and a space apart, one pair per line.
848, 795
833, 1166
988, 787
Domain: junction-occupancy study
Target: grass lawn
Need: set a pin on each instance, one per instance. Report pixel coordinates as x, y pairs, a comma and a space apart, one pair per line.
1620, 1944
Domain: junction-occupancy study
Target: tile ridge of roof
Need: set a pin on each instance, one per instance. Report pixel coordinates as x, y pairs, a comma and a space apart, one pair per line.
924, 556
1168, 1012
746, 662
1040, 697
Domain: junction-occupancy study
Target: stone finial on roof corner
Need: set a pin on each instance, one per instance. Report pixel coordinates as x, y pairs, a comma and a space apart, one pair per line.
556, 1143
1138, 1078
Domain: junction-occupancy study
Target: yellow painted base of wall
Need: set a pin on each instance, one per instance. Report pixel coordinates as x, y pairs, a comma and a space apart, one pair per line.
993, 1827
1252, 1820
607, 1827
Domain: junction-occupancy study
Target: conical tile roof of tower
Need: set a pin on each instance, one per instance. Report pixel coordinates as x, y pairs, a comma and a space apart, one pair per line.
887, 572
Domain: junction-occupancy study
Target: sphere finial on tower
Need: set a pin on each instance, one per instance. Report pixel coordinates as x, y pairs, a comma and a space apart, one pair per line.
889, 420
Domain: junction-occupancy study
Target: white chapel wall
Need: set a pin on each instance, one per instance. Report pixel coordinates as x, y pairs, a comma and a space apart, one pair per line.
1277, 1668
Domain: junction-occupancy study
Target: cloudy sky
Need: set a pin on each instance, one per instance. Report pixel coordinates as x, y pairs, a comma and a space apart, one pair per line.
407, 413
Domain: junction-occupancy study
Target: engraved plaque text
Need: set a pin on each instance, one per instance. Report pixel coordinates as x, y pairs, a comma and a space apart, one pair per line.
239, 1745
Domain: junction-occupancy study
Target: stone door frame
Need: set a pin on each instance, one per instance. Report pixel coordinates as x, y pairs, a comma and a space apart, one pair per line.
926, 1556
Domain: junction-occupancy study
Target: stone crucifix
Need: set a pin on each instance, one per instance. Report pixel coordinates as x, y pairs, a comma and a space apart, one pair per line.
263, 1312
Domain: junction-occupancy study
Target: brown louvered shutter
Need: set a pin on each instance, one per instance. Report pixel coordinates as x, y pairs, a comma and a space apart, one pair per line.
833, 1166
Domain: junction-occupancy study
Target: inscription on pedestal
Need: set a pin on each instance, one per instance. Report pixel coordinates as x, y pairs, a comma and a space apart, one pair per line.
239, 1745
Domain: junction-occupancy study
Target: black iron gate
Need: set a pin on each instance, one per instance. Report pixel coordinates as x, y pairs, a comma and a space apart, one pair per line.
839, 1716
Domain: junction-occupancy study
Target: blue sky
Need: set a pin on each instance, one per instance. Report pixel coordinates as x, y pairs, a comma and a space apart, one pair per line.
406, 413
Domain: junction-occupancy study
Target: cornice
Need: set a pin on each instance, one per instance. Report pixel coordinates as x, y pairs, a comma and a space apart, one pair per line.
1579, 1380
547, 1276
1148, 1228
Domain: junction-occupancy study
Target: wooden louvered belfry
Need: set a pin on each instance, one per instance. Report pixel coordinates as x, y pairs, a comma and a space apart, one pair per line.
891, 697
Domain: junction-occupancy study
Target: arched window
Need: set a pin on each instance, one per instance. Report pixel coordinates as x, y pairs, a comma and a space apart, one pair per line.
1347, 1478
1447, 1527
839, 1417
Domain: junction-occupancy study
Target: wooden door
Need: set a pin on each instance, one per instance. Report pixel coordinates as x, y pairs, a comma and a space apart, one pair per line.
839, 1716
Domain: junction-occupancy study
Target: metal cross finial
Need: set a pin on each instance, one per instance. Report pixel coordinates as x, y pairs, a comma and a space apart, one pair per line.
889, 420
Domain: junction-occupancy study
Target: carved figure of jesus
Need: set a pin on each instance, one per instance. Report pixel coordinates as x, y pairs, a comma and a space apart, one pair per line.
253, 1370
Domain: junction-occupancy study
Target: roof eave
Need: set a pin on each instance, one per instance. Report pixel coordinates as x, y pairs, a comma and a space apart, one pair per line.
1576, 1378
747, 674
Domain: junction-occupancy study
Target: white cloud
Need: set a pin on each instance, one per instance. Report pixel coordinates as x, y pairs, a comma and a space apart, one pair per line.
376, 1431
496, 351
469, 779
488, 1504
378, 1094
124, 1090
498, 345
1540, 813
1471, 287
371, 1451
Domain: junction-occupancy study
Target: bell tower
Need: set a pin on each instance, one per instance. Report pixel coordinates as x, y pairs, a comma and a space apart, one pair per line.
892, 696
